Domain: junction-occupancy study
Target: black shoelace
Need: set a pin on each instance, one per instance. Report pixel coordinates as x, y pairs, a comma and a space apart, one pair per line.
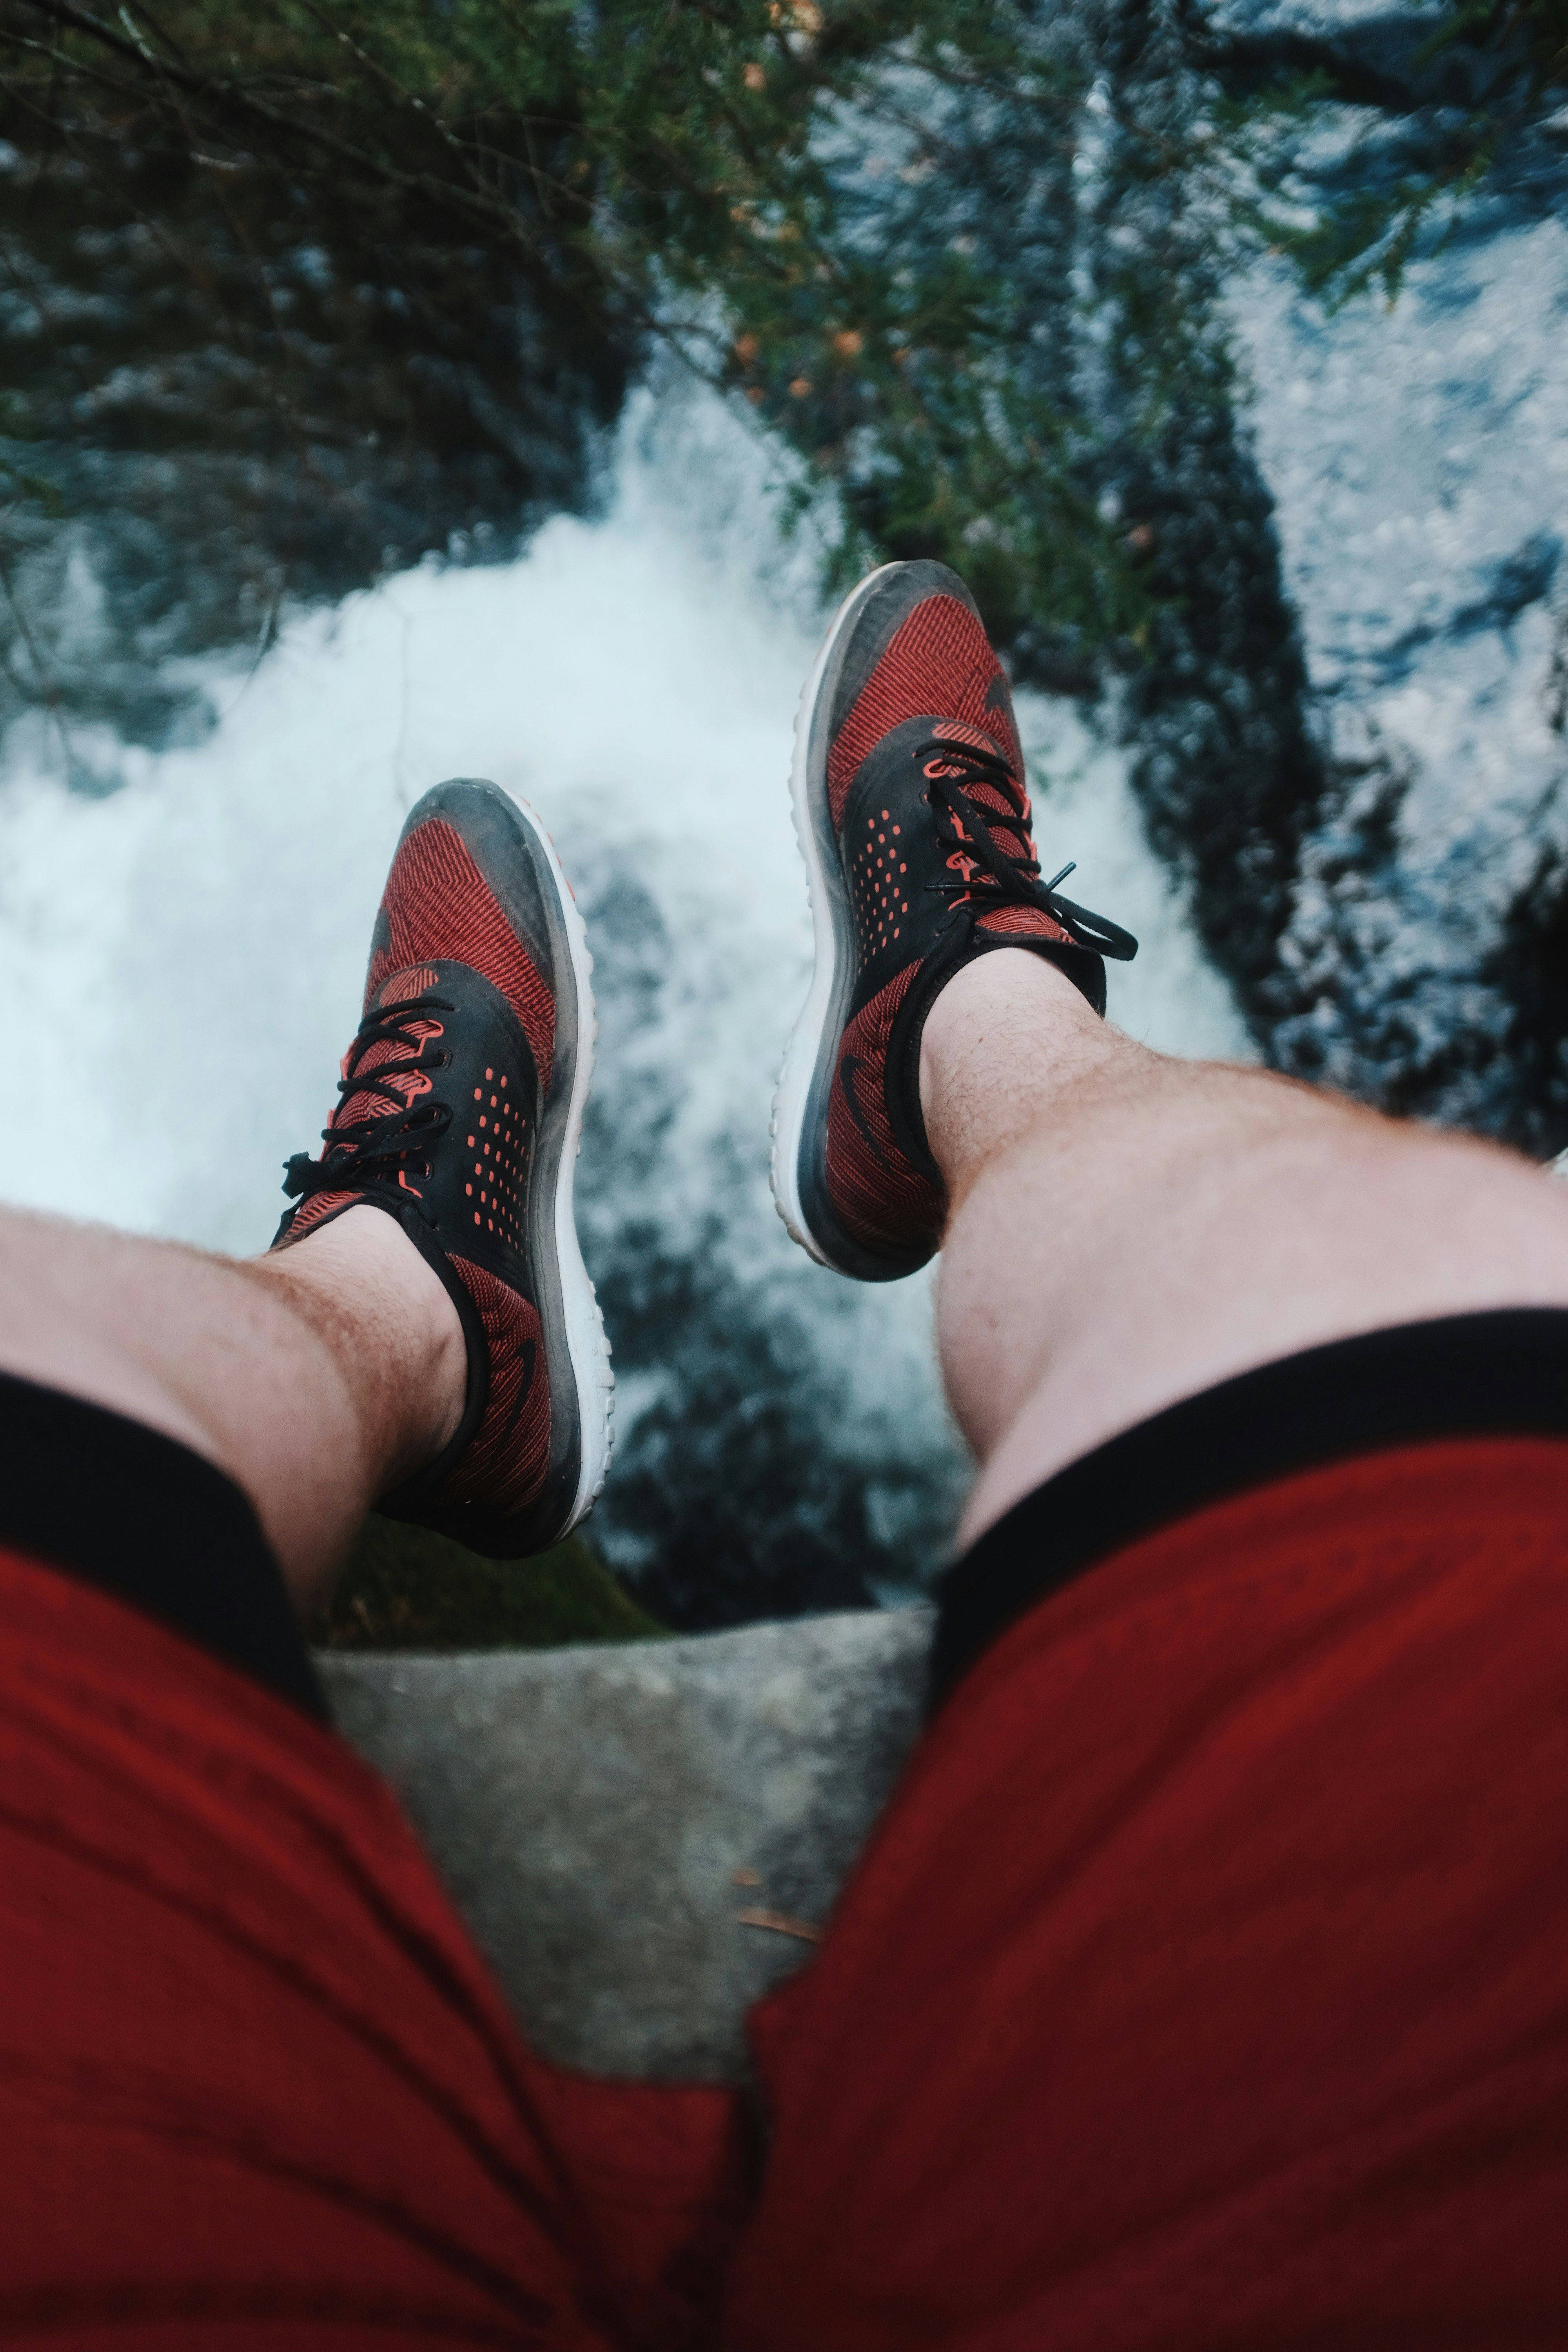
380, 1150
1013, 881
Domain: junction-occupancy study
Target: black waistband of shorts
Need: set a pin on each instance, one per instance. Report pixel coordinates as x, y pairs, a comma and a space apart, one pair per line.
1502, 1373
118, 1505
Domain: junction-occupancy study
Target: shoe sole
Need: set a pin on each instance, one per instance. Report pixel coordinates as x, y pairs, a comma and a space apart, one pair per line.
799, 1124
569, 1308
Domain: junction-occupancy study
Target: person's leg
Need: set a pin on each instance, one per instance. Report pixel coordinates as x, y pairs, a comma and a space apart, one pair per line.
1126, 1230
423, 1330
315, 1378
1204, 1982
255, 2078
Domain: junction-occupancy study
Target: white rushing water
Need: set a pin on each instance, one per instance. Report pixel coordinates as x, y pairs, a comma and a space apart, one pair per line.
188, 948
1419, 459
1417, 455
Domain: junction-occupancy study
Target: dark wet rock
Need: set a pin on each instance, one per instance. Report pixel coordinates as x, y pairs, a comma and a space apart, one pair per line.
242, 405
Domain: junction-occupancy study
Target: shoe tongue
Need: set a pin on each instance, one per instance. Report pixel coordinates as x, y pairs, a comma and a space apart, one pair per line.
397, 988
1020, 922
986, 797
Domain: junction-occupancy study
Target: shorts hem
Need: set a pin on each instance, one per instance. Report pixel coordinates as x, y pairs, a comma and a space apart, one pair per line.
1503, 1372
96, 1496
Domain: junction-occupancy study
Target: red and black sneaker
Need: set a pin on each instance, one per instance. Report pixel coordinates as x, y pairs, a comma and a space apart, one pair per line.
913, 819
460, 1113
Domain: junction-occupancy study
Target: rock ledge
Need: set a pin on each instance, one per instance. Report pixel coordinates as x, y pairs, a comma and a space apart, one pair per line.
590, 1811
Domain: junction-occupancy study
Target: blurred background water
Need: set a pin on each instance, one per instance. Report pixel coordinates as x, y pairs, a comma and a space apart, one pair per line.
1327, 791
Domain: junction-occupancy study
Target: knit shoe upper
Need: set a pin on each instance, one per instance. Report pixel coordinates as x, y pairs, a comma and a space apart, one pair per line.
459, 1109
914, 820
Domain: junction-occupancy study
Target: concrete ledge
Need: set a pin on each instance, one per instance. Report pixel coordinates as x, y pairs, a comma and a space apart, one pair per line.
588, 1810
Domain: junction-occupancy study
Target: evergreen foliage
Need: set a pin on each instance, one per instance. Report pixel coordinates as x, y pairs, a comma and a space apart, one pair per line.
369, 279
311, 207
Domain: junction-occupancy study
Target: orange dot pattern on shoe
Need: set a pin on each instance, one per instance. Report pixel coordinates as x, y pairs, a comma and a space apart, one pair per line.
498, 1181
878, 875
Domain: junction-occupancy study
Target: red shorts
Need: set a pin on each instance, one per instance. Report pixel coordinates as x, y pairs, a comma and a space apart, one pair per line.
1204, 1984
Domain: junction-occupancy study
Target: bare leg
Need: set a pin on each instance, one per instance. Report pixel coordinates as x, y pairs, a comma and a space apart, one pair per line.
316, 1379
1126, 1229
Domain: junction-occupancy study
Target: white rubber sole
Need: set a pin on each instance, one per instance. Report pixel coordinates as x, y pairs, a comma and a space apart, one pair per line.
587, 1347
808, 1039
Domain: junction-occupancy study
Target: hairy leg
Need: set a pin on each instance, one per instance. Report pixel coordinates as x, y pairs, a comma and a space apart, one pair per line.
315, 1378
1126, 1229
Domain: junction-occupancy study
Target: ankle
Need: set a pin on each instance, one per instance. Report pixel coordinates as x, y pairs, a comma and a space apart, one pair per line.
1005, 1037
385, 1318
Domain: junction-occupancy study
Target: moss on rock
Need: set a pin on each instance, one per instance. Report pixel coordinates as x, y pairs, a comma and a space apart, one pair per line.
405, 1588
